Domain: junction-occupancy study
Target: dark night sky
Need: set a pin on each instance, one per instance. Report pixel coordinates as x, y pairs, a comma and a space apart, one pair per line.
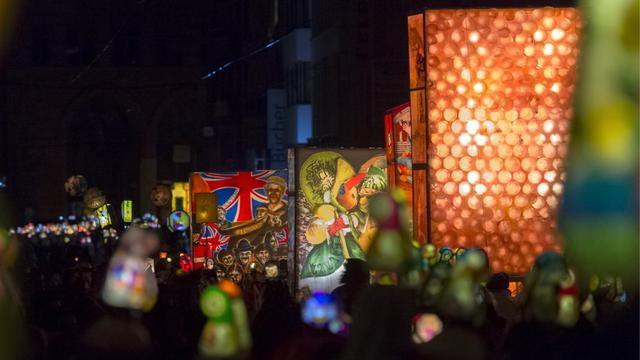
108, 88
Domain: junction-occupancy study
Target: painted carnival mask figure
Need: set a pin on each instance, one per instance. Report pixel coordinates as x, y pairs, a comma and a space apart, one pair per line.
244, 253
275, 212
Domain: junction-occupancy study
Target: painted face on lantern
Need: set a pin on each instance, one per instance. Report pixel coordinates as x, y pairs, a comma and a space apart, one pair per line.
228, 260
347, 198
271, 271
222, 213
220, 274
263, 256
236, 276
273, 243
274, 193
244, 257
209, 264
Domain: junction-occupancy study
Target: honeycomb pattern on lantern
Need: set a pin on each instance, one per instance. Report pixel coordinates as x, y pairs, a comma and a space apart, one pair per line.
499, 91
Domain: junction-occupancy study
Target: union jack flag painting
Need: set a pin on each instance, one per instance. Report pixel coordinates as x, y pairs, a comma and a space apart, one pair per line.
249, 216
210, 235
239, 193
282, 236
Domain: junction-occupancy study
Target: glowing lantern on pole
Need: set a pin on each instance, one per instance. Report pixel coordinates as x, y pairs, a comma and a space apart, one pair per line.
491, 93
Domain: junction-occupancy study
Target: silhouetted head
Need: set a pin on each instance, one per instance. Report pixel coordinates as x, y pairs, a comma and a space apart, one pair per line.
356, 272
498, 282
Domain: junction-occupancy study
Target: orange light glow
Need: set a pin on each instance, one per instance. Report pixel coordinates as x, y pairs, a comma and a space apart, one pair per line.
499, 135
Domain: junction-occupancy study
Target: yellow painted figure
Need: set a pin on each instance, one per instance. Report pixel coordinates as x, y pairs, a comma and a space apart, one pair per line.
339, 197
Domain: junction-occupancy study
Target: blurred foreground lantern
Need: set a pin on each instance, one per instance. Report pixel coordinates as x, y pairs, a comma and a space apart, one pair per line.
390, 248
130, 283
599, 215
226, 333
491, 93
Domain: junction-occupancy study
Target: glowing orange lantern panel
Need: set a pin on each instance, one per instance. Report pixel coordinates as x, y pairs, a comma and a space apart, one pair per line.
499, 90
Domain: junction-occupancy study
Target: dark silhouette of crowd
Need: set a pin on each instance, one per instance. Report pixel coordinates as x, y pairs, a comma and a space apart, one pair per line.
475, 314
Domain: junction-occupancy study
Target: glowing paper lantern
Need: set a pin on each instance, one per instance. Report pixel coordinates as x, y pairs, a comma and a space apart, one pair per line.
491, 93
93, 199
180, 196
206, 207
320, 310
426, 327
160, 195
104, 218
130, 284
390, 248
75, 185
126, 209
226, 333
239, 311
178, 221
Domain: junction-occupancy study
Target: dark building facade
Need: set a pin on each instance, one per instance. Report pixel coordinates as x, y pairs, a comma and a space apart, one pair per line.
112, 89
359, 67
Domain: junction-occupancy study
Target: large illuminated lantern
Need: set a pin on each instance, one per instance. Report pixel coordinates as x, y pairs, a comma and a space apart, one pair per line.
491, 94
240, 219
397, 125
332, 222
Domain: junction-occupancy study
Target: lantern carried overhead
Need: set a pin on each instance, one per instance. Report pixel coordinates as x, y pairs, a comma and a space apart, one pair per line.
491, 93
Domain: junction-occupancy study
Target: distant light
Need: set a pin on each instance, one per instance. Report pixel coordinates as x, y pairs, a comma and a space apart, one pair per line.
229, 63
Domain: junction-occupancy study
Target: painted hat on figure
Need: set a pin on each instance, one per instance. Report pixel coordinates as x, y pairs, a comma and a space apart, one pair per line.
243, 245
276, 180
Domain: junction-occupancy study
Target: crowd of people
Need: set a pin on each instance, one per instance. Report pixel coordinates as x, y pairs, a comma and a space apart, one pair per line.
457, 310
